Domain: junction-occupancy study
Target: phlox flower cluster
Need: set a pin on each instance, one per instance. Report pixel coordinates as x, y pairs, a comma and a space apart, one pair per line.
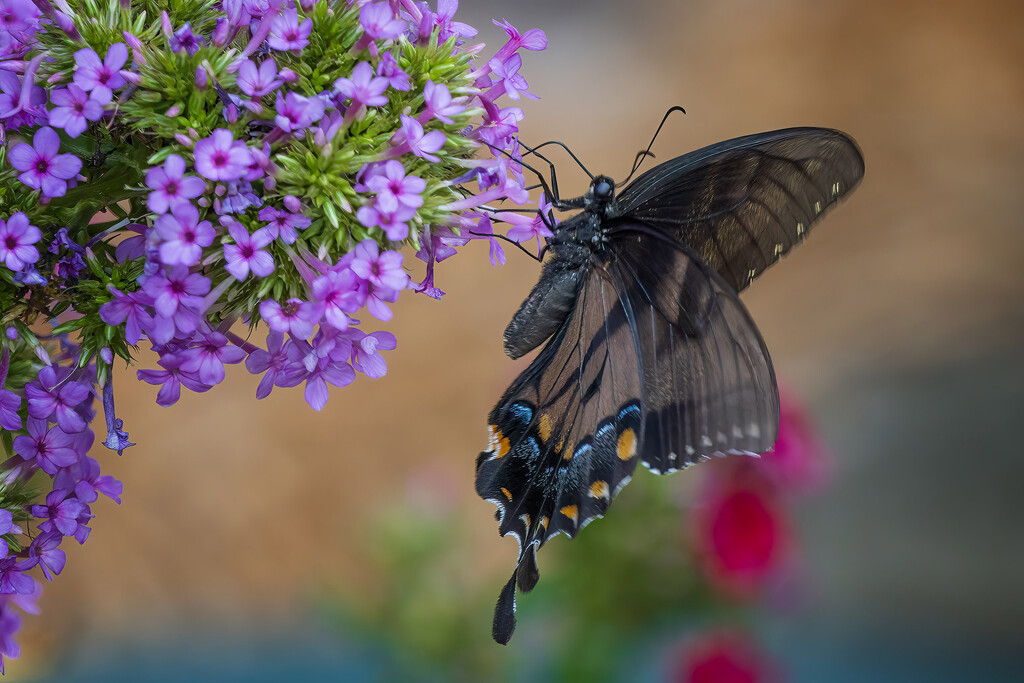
182, 181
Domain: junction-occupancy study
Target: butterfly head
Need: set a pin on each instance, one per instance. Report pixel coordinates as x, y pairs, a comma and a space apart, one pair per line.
601, 193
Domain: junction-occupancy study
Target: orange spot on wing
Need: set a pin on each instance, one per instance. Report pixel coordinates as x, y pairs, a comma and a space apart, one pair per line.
570, 511
627, 444
508, 494
544, 427
599, 489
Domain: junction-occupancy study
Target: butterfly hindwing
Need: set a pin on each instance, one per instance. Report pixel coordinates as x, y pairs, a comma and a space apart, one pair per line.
708, 379
566, 435
742, 204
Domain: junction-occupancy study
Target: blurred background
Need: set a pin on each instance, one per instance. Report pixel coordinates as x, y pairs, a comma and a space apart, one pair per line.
265, 541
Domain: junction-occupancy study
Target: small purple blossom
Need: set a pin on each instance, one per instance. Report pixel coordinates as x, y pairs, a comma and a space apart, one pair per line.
366, 350
19, 19
22, 102
170, 186
48, 555
279, 369
443, 20
340, 291
17, 242
379, 21
364, 89
183, 235
128, 309
184, 39
383, 274
411, 139
49, 447
171, 379
43, 168
60, 512
525, 229
534, 39
247, 254
54, 394
85, 479
295, 317
9, 404
221, 157
100, 78
389, 70
206, 359
295, 112
73, 110
257, 82
439, 103
287, 33
283, 224
509, 79
13, 578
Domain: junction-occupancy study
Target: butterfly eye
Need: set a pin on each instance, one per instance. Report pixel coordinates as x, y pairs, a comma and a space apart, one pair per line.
602, 189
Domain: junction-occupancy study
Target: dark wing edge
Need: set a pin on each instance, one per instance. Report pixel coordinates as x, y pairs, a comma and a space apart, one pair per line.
565, 437
742, 204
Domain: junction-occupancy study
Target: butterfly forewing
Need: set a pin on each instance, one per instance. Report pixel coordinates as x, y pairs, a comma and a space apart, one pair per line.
743, 203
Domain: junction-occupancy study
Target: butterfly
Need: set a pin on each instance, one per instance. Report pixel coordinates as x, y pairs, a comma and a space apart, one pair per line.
648, 354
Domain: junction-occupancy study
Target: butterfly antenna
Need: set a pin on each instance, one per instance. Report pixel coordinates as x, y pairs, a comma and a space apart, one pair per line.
647, 152
563, 146
511, 241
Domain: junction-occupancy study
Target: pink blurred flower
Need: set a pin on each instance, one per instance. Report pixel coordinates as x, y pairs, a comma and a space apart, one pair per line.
797, 462
724, 657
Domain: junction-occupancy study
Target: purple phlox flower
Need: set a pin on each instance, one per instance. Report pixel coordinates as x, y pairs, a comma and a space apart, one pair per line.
295, 316
247, 254
261, 168
379, 22
384, 276
283, 224
71, 262
170, 379
100, 78
134, 245
288, 33
439, 103
410, 138
170, 186
184, 39
73, 109
341, 292
13, 578
534, 39
257, 82
55, 393
61, 512
85, 479
10, 624
364, 89
178, 300
206, 358
525, 229
279, 369
234, 196
50, 447
117, 437
17, 242
45, 551
436, 244
7, 526
501, 128
129, 309
221, 157
393, 188
389, 70
365, 351
29, 276
295, 112
9, 404
22, 102
19, 19
485, 231
509, 80
326, 371
41, 165
183, 235
442, 19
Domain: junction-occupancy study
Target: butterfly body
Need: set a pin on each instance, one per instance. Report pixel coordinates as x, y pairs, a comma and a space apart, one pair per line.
648, 354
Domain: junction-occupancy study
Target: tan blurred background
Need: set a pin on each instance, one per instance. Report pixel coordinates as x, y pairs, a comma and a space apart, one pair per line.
899, 323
